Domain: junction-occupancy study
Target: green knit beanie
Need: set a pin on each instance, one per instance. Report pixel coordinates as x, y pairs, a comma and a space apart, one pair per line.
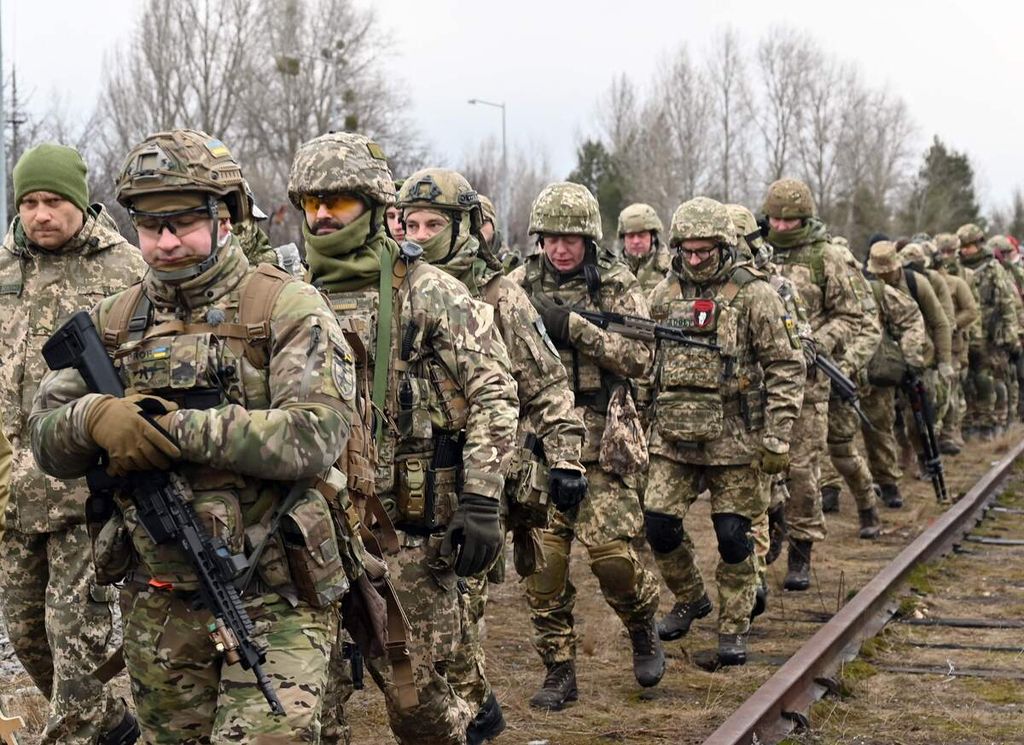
55, 168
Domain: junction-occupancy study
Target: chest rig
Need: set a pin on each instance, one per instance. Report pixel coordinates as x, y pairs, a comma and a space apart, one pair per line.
698, 388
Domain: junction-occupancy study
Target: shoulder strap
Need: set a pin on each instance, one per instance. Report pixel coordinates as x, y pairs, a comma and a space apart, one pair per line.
255, 306
122, 313
740, 277
910, 274
817, 263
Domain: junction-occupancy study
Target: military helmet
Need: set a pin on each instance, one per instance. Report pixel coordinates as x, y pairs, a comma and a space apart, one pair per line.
487, 211
183, 160
788, 199
921, 238
565, 208
946, 241
703, 218
637, 218
438, 189
341, 163
743, 219
913, 253
970, 233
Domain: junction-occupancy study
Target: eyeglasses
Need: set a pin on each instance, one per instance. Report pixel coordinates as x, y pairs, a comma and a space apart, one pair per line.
333, 203
180, 224
701, 253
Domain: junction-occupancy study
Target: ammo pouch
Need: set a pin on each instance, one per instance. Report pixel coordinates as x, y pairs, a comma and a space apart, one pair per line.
689, 415
887, 367
526, 490
111, 543
427, 491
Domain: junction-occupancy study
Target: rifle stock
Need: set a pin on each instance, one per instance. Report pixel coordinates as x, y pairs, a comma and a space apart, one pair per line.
924, 420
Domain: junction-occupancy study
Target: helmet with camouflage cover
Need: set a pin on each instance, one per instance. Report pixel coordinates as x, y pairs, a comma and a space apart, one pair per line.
788, 199
637, 218
565, 208
921, 238
487, 211
946, 242
913, 255
438, 189
183, 160
1001, 244
970, 234
748, 232
703, 218
341, 163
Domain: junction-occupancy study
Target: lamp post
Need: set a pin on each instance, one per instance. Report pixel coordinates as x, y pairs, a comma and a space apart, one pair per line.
506, 190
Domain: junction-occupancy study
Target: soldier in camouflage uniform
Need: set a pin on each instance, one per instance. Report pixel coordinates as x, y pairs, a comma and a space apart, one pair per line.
430, 199
722, 417
243, 412
836, 310
60, 254
441, 376
640, 229
571, 272
492, 238
906, 338
1008, 257
989, 355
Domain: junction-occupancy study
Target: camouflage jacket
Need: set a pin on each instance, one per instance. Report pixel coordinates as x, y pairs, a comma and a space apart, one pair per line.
903, 321
545, 399
999, 323
5, 478
38, 290
596, 360
854, 354
940, 329
448, 375
965, 310
836, 301
272, 426
651, 269
723, 407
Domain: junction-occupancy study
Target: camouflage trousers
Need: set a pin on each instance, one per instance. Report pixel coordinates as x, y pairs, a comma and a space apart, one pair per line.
989, 383
1012, 392
605, 523
807, 445
951, 423
739, 490
429, 593
844, 458
880, 443
466, 672
60, 623
185, 692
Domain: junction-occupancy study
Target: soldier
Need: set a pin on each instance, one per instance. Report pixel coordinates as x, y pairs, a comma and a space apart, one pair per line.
836, 311
722, 418
393, 218
546, 403
989, 355
60, 254
905, 345
441, 377
1006, 253
570, 272
640, 229
5, 479
248, 385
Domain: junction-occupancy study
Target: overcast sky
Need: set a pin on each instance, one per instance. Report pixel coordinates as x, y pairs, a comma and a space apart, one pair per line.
958, 64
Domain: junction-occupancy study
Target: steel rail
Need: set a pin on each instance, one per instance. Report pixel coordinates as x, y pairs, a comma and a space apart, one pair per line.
779, 704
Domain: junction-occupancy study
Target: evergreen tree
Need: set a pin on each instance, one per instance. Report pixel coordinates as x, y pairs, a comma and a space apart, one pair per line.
943, 196
596, 169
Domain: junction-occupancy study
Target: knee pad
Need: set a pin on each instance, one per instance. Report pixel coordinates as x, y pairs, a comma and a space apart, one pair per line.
615, 567
664, 532
733, 533
550, 580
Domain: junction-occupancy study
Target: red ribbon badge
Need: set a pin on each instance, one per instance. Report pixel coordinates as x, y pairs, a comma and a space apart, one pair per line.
703, 312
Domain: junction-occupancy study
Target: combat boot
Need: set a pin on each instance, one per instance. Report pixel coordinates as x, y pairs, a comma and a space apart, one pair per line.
559, 687
676, 622
891, 496
648, 655
830, 499
488, 723
870, 525
948, 447
125, 733
776, 532
732, 649
760, 600
798, 578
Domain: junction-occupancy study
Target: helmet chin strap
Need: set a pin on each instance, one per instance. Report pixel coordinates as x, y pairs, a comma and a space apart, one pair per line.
194, 270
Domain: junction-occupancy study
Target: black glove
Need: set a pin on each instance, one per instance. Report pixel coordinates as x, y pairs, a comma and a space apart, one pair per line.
475, 533
568, 487
555, 316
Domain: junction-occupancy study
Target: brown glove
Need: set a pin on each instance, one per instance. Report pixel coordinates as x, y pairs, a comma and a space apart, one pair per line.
132, 442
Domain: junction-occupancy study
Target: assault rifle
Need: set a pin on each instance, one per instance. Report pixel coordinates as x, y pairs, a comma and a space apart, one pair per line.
924, 420
637, 327
842, 386
165, 511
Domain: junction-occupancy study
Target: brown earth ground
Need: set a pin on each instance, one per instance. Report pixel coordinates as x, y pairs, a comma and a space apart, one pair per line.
690, 702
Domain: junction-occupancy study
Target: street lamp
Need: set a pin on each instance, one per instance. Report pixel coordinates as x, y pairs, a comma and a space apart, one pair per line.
505, 186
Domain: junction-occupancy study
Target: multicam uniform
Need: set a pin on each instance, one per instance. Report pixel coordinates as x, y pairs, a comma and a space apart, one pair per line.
58, 618
1009, 259
717, 412
448, 388
249, 425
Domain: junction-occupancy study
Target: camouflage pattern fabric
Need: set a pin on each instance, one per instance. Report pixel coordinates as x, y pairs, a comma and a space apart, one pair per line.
239, 459
466, 670
672, 487
565, 208
341, 162
965, 314
185, 693
255, 243
58, 619
5, 478
844, 457
607, 520
651, 269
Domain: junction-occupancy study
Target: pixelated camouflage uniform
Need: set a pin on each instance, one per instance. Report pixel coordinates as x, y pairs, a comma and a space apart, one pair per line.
1015, 274
952, 269
715, 412
58, 619
446, 352
965, 314
651, 268
596, 361
255, 243
273, 427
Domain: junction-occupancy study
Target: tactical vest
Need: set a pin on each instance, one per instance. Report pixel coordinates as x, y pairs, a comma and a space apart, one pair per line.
698, 388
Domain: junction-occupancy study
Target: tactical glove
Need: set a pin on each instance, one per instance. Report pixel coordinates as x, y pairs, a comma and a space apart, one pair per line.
475, 534
772, 463
555, 316
132, 441
568, 487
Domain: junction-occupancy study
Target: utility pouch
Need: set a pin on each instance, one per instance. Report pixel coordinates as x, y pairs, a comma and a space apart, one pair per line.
111, 543
414, 408
623, 444
311, 546
689, 415
887, 367
751, 409
526, 493
411, 491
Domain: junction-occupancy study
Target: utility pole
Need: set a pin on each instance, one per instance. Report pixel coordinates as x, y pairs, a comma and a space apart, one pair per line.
506, 187
3, 136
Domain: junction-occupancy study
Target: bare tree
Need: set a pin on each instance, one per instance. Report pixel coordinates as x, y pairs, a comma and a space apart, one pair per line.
729, 90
